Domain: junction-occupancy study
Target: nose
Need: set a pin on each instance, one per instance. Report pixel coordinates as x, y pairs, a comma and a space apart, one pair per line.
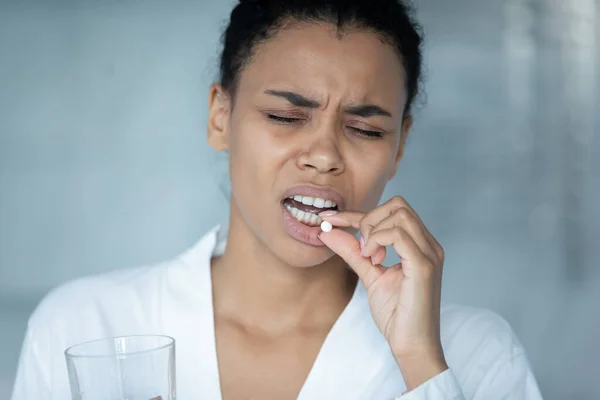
323, 156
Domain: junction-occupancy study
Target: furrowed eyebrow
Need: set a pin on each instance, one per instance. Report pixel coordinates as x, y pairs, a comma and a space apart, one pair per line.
368, 110
294, 98
298, 100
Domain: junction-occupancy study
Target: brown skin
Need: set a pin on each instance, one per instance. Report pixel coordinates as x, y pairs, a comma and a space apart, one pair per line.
276, 298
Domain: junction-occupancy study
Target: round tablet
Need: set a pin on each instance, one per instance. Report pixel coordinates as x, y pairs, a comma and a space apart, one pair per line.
326, 226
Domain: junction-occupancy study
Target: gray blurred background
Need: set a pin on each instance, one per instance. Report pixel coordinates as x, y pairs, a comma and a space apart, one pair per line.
104, 165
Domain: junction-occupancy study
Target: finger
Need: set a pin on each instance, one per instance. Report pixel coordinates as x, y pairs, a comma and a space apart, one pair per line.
347, 247
405, 219
352, 219
439, 251
403, 244
343, 219
395, 213
378, 257
365, 222
378, 214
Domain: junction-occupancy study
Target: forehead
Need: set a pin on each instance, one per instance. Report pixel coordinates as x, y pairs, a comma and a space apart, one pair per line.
355, 64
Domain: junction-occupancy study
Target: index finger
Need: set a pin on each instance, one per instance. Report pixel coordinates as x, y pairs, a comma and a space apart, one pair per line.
348, 248
344, 219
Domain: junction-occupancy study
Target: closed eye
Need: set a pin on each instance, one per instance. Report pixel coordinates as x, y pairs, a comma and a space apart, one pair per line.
291, 120
369, 134
285, 120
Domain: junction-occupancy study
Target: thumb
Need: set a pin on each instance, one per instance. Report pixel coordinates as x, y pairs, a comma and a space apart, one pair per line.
346, 246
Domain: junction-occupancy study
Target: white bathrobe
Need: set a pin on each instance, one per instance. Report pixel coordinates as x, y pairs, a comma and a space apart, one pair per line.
486, 360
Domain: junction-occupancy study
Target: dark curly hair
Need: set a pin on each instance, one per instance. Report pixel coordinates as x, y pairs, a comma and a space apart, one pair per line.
255, 21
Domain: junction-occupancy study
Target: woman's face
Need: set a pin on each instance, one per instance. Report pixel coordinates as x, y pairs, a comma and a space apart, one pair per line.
316, 115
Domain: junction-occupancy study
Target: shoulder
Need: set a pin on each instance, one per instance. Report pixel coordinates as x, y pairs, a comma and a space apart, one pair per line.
480, 344
84, 297
136, 290
463, 326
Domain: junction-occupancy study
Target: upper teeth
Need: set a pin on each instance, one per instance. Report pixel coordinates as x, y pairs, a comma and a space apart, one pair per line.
314, 201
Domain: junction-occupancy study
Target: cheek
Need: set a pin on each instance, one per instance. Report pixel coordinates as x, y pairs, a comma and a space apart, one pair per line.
258, 146
375, 187
254, 157
372, 174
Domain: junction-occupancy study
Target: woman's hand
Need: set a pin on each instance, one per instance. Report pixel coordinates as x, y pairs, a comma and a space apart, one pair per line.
404, 298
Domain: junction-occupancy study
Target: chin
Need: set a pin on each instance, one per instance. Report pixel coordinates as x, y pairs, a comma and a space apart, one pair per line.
301, 255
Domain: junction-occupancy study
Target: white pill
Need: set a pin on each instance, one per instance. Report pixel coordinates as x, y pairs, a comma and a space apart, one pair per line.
326, 226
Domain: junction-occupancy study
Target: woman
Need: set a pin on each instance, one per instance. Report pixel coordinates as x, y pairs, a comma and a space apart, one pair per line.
314, 108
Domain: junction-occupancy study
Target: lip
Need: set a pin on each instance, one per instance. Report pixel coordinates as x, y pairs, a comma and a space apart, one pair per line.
296, 229
325, 193
299, 231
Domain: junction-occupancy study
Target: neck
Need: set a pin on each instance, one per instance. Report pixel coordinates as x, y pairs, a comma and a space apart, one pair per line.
254, 287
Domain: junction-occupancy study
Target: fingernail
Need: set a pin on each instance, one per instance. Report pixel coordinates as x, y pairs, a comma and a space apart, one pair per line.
327, 213
373, 260
362, 246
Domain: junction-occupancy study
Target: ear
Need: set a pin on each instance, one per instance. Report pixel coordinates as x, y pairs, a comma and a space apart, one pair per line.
219, 107
407, 123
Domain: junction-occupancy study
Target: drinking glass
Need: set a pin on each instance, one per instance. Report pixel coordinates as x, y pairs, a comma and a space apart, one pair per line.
123, 368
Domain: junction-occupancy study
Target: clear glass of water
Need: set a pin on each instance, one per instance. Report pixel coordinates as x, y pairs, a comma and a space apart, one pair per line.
123, 368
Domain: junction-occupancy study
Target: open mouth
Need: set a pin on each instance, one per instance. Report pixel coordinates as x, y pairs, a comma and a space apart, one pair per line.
306, 209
